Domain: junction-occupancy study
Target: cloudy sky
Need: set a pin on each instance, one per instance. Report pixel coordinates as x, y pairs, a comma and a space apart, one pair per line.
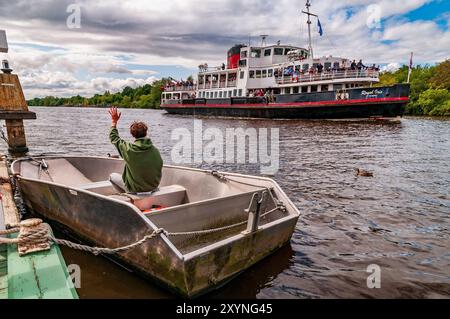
134, 42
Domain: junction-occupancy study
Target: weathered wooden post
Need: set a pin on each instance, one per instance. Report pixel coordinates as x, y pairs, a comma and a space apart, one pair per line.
13, 106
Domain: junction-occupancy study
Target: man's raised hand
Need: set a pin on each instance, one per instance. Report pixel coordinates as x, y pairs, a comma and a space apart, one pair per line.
115, 116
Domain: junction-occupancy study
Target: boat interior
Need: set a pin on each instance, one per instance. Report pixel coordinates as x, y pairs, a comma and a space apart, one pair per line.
188, 200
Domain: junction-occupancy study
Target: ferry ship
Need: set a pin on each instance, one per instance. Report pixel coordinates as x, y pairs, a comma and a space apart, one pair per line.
286, 82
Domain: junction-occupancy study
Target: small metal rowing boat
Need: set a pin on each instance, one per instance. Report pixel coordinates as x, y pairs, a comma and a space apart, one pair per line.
211, 226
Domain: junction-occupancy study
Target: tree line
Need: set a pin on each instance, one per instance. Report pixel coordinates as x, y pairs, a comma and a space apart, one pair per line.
430, 88
144, 97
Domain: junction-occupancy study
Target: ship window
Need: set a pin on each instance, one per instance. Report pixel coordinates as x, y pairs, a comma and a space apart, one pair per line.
229, 93
286, 51
324, 88
304, 89
305, 67
244, 54
252, 74
336, 65
243, 63
220, 94
327, 65
258, 74
240, 92
264, 73
313, 88
234, 92
270, 73
296, 90
242, 74
268, 52
287, 90
256, 53
278, 51
215, 95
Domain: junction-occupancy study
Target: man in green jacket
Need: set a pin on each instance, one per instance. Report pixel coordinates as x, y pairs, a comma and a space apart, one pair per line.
143, 162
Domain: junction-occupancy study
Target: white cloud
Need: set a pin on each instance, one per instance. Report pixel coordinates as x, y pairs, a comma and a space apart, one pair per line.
115, 85
391, 67
187, 33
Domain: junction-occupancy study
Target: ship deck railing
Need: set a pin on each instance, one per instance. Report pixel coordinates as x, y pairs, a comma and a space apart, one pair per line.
180, 88
329, 76
217, 85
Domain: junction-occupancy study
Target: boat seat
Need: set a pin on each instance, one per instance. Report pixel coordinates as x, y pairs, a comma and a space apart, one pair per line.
102, 188
167, 196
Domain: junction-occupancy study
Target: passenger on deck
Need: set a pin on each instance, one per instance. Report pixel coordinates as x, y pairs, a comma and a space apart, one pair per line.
320, 68
360, 65
143, 162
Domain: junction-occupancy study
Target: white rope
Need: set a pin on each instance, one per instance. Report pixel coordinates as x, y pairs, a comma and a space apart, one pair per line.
108, 251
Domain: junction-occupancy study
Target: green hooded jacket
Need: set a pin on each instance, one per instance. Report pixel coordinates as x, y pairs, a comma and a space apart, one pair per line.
143, 169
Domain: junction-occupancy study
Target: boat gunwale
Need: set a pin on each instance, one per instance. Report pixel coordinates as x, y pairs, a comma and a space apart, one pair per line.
264, 179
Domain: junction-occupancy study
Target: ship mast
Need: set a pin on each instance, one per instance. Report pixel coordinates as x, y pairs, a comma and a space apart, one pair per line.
309, 14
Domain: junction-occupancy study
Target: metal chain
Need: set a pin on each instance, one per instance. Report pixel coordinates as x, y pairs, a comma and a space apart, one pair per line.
3, 136
21, 207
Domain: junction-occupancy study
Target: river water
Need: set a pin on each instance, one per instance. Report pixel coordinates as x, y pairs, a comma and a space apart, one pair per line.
398, 220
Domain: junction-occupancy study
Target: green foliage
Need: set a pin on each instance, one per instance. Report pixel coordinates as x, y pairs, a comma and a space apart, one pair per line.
434, 101
144, 97
441, 78
428, 87
442, 110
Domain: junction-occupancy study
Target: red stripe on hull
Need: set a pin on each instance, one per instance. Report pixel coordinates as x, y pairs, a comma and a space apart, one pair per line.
294, 105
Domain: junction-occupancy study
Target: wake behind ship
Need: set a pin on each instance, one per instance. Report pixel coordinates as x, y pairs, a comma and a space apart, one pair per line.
286, 82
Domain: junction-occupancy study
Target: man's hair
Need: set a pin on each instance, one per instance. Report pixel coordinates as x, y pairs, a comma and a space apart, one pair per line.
138, 130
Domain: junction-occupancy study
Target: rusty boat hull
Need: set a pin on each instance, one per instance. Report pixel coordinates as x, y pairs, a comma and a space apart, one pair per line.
75, 193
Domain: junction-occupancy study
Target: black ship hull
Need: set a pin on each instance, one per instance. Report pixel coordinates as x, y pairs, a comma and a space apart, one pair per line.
361, 103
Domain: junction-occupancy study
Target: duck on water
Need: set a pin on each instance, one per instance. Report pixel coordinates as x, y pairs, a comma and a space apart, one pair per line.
209, 226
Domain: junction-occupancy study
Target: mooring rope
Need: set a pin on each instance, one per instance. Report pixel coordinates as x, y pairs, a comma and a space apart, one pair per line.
35, 233
107, 251
216, 230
